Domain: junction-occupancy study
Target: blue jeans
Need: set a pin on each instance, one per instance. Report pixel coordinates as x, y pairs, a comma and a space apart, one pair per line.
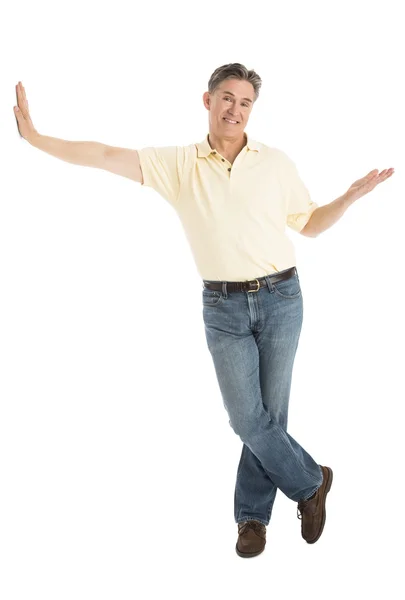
253, 338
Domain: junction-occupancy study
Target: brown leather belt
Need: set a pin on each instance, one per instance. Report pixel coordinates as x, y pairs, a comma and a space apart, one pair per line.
253, 285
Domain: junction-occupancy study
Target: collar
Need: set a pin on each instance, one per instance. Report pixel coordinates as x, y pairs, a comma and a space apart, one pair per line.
204, 149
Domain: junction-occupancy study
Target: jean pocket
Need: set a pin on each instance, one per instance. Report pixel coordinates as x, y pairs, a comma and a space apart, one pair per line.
288, 288
211, 297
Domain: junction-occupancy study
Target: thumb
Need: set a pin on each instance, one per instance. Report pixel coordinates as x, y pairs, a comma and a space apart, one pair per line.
18, 117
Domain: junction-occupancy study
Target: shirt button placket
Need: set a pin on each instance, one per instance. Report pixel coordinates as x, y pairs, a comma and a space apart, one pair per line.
223, 160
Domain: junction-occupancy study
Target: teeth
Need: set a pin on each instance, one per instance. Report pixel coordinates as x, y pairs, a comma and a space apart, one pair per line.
229, 121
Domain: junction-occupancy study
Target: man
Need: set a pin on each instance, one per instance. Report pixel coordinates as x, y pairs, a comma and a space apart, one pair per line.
234, 197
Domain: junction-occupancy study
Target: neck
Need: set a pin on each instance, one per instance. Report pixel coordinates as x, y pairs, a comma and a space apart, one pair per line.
227, 146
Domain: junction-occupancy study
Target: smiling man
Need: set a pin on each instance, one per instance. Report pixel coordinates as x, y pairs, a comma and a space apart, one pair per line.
235, 196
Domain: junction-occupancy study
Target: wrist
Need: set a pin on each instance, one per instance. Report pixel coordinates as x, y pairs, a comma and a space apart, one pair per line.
348, 200
32, 137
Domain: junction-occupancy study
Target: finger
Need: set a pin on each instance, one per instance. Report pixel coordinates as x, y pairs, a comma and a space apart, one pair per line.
385, 174
370, 177
19, 97
17, 115
22, 104
23, 96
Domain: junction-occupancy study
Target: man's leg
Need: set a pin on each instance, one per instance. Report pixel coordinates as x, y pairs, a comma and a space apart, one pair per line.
277, 337
230, 325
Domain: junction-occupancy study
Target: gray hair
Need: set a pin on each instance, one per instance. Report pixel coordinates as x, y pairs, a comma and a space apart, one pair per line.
234, 71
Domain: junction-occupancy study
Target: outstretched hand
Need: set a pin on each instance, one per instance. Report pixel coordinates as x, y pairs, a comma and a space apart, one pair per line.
25, 125
366, 184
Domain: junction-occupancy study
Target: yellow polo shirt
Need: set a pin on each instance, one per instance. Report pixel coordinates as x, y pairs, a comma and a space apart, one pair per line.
234, 216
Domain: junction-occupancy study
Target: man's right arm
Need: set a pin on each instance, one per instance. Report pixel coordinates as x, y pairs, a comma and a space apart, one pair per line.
120, 161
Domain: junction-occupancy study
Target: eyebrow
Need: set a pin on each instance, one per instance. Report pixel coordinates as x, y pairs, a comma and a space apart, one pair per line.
248, 99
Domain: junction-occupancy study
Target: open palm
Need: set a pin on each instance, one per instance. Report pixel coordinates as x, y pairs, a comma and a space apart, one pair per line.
367, 184
24, 122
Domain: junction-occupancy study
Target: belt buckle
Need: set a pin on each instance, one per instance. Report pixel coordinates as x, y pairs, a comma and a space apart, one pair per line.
258, 286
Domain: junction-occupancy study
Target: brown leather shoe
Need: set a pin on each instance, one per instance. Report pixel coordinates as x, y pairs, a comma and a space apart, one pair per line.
251, 538
313, 511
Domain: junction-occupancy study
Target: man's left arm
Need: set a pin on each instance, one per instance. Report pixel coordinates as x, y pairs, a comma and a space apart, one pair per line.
325, 216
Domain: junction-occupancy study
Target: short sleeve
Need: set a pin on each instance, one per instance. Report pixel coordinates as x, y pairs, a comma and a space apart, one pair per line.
299, 204
162, 169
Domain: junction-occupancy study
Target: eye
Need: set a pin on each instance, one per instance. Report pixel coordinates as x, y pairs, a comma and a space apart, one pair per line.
244, 104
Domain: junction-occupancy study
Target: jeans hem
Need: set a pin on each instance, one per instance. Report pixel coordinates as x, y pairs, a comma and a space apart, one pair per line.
315, 490
252, 519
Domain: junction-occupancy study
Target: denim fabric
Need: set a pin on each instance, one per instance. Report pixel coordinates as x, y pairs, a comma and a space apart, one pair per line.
253, 338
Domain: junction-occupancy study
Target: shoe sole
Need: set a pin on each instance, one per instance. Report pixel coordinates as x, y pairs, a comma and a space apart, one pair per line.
328, 486
249, 554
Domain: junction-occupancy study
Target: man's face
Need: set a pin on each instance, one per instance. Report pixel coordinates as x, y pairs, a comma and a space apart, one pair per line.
232, 100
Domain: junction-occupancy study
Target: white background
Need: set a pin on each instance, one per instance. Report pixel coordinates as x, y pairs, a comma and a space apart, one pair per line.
118, 464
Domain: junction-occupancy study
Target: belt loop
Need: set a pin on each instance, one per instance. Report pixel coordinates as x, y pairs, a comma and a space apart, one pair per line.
224, 290
269, 284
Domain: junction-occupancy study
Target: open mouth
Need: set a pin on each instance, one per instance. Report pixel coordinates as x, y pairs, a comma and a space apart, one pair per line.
230, 121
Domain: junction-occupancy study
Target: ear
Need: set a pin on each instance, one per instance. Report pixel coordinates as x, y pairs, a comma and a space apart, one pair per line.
206, 100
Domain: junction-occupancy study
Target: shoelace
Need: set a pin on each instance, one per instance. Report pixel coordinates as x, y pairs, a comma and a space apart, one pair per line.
301, 507
255, 525
302, 504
